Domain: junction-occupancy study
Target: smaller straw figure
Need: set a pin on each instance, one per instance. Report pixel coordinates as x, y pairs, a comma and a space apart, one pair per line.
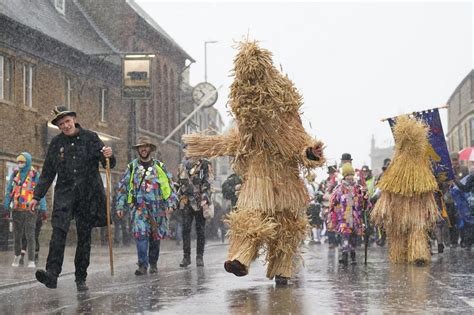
407, 208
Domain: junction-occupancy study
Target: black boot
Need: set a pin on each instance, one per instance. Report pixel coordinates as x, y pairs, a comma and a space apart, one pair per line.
440, 248
236, 267
141, 271
199, 261
280, 280
186, 261
344, 259
153, 268
353, 258
420, 262
47, 278
81, 285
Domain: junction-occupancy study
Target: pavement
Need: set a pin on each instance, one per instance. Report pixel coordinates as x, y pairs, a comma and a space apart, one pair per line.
322, 286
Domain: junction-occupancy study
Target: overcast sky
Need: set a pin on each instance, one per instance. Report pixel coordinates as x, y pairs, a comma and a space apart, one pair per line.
354, 63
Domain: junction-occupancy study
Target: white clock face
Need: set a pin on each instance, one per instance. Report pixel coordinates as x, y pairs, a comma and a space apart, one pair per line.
204, 91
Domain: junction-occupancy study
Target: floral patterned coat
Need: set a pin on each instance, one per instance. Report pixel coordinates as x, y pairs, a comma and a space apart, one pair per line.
143, 198
346, 205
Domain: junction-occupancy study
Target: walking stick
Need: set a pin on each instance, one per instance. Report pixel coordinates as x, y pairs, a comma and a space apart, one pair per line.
109, 228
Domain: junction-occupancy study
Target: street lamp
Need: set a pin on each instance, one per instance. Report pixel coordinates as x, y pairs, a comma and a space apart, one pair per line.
205, 57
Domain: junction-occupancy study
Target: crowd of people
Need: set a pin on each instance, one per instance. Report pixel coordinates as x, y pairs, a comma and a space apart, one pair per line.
147, 199
340, 207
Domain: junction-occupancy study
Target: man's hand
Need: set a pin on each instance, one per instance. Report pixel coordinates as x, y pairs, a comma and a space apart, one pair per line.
120, 214
107, 152
32, 206
169, 211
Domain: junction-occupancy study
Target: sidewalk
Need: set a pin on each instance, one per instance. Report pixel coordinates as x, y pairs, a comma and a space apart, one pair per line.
99, 261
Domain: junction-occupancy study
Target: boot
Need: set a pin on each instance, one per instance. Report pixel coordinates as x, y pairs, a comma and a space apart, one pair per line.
440, 248
81, 285
344, 259
47, 278
420, 262
186, 261
22, 259
199, 261
280, 280
353, 258
141, 271
153, 268
236, 267
16, 261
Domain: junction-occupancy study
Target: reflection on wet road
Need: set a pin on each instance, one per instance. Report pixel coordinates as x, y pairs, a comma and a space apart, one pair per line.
322, 286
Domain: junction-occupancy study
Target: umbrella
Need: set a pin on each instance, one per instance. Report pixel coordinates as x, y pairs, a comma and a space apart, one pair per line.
466, 154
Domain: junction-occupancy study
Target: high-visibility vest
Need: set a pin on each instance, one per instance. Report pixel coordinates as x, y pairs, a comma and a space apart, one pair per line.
162, 180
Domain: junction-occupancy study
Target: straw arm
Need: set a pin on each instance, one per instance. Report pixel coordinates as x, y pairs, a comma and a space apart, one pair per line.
199, 145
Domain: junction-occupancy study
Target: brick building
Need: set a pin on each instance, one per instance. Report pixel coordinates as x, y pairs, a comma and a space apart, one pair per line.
69, 52
461, 115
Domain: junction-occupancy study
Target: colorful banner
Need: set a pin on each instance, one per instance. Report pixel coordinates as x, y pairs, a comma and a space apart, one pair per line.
439, 154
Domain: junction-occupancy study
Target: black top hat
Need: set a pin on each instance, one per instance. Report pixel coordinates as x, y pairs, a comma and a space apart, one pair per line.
60, 112
365, 168
346, 157
332, 169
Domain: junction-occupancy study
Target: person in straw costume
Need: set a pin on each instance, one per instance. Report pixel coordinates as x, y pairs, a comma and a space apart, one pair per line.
407, 208
269, 146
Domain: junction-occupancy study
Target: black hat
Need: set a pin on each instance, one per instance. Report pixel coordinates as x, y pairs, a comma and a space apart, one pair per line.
332, 169
365, 168
60, 112
346, 157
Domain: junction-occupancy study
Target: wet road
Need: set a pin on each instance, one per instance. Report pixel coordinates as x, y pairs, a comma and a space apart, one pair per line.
322, 286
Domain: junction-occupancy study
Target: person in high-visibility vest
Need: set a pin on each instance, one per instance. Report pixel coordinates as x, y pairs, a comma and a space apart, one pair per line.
145, 191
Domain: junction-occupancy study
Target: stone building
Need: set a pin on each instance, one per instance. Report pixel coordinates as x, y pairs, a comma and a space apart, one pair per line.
69, 52
460, 132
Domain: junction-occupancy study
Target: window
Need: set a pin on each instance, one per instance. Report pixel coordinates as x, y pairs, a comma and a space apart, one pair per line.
28, 85
471, 125
67, 93
460, 142
104, 104
10, 167
60, 5
5, 78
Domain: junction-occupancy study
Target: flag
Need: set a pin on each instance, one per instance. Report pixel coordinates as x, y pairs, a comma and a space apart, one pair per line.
438, 151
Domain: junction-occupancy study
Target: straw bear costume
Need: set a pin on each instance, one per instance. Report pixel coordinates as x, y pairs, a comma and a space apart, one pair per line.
270, 147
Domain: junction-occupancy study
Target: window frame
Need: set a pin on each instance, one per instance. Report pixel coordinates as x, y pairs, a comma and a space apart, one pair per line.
104, 104
28, 88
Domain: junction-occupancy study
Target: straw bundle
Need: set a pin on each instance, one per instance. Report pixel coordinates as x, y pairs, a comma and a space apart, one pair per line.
269, 149
282, 252
407, 208
410, 171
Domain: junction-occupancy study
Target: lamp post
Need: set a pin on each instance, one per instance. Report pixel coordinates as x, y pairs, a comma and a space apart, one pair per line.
205, 56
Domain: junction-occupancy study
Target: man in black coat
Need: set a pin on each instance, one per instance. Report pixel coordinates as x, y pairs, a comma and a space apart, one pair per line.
73, 156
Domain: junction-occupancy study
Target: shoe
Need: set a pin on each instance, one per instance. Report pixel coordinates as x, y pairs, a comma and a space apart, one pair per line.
280, 280
185, 262
36, 258
344, 259
236, 267
47, 278
141, 271
22, 259
440, 248
420, 262
353, 258
153, 268
81, 285
16, 261
199, 261
31, 264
